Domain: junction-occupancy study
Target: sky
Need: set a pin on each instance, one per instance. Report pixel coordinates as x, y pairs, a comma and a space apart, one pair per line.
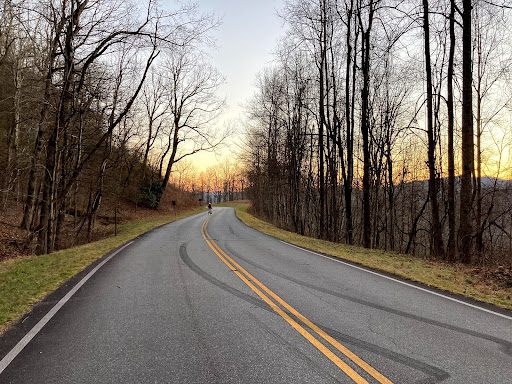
245, 40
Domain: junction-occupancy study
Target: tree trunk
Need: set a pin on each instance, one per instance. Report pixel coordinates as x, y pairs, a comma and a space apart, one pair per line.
451, 249
349, 135
321, 125
12, 170
479, 245
391, 197
465, 239
437, 235
170, 163
33, 177
365, 124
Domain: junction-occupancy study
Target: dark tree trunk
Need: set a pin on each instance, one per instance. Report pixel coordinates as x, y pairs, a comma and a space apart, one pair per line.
321, 126
170, 163
349, 133
365, 123
451, 249
391, 197
465, 238
437, 235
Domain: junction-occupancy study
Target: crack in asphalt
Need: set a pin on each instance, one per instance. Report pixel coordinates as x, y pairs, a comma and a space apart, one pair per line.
505, 346
435, 374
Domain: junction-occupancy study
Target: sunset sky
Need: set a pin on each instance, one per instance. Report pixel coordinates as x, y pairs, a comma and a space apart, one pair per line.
244, 44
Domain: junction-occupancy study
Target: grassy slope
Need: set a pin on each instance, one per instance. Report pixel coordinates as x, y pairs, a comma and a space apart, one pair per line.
26, 280
458, 279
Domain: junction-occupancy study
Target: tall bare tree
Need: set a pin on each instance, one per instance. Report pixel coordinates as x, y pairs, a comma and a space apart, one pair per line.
193, 105
465, 237
437, 234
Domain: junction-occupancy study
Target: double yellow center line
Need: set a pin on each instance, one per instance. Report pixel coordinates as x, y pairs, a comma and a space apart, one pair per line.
267, 295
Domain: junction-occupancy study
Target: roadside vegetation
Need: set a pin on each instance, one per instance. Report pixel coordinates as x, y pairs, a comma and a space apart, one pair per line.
100, 102
386, 125
482, 285
26, 280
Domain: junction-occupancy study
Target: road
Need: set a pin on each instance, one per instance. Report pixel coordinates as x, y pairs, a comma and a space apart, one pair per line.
210, 300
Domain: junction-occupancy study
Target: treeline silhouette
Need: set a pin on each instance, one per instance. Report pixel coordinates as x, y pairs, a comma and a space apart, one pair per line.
98, 99
387, 124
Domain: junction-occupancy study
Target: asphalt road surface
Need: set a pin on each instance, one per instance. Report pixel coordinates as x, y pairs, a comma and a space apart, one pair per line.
209, 300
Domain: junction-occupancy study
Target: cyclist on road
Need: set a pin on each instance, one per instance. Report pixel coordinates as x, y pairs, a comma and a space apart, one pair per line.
209, 208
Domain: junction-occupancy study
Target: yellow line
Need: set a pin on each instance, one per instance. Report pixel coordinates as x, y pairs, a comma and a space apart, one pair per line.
327, 352
340, 347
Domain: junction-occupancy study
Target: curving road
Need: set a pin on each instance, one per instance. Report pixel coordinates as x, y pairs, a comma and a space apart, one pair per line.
209, 300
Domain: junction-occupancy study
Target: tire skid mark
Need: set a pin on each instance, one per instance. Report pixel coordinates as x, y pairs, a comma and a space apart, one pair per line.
505, 346
293, 349
198, 331
435, 373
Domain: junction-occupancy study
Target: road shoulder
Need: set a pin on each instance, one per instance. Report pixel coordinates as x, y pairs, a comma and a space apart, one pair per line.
457, 281
31, 285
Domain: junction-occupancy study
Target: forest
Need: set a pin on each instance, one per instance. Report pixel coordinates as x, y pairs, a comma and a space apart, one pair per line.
387, 124
99, 100
380, 123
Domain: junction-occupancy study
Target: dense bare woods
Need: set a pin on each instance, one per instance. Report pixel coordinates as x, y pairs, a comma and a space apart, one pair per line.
93, 103
387, 124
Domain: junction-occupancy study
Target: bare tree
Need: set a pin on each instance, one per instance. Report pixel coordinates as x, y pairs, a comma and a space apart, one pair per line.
95, 59
437, 234
193, 106
365, 16
452, 233
465, 237
156, 110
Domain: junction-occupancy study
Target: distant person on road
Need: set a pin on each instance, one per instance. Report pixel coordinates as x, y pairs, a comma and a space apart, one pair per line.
209, 208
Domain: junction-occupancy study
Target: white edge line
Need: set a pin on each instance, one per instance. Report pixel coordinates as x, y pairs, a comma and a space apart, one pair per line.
7, 359
399, 281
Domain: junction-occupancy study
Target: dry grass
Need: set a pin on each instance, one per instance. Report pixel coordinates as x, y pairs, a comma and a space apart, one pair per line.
26, 280
459, 279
